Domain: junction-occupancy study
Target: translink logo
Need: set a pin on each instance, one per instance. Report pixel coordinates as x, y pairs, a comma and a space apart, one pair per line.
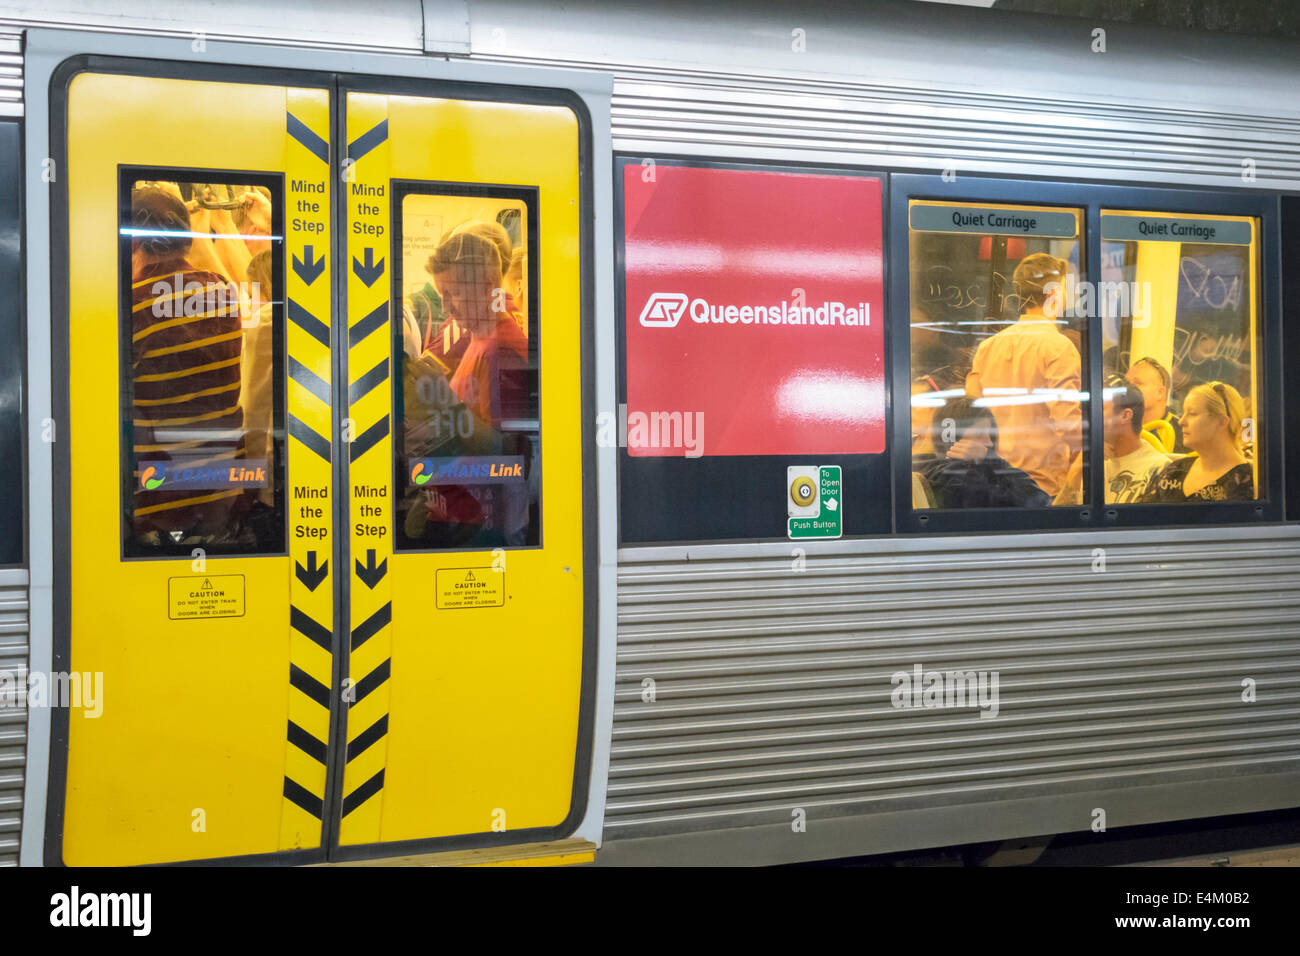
153, 475
663, 309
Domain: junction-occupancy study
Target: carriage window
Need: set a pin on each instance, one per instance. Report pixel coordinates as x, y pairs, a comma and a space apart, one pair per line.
1179, 304
468, 439
997, 335
12, 492
202, 347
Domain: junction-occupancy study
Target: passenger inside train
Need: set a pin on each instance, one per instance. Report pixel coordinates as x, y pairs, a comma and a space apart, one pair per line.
1153, 380
1133, 455
967, 470
1217, 469
1031, 356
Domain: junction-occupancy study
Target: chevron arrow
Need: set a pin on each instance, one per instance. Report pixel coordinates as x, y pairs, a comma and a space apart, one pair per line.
371, 270
308, 271
369, 574
311, 575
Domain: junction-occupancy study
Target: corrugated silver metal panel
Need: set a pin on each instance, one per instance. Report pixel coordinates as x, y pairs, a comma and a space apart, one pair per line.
11, 74
932, 130
908, 86
893, 127
374, 25
13, 710
896, 86
772, 687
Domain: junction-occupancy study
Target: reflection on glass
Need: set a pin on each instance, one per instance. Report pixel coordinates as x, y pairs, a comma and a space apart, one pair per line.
997, 407
201, 428
468, 448
1178, 303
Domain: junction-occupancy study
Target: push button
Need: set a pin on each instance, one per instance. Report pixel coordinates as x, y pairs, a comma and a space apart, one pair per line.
803, 491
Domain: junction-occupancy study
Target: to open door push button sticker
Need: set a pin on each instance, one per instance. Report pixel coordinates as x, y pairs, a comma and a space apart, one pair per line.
813, 502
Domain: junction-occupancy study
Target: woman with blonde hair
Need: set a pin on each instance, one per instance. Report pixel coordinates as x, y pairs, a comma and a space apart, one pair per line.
1217, 470
445, 336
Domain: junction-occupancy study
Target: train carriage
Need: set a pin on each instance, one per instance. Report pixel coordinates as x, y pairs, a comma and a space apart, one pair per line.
812, 566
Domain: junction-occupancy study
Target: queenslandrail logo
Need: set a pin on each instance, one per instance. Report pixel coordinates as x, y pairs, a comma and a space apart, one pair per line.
663, 310
666, 309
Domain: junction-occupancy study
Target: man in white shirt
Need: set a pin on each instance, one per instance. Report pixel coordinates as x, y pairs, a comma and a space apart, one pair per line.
1131, 459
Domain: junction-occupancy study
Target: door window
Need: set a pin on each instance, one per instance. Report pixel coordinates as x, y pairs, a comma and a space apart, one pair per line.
468, 436
201, 362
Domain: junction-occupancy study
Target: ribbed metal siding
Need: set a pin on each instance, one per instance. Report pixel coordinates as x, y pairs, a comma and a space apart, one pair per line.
772, 687
13, 710
11, 74
973, 133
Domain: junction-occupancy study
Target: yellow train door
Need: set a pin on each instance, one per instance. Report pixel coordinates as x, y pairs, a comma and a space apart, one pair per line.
199, 399
470, 547
311, 593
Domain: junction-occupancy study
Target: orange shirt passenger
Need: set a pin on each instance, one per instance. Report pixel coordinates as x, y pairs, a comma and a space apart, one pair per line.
489, 377
1029, 374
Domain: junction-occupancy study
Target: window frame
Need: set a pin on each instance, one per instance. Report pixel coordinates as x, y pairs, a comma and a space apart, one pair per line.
127, 175
1289, 255
14, 538
1091, 198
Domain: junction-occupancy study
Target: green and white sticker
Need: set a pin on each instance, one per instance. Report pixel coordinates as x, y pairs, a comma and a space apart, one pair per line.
814, 502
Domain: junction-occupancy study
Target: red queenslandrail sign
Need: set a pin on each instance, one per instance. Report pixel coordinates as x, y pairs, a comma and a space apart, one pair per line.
755, 303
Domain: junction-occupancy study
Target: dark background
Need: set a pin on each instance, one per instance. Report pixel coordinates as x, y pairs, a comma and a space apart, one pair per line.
1265, 18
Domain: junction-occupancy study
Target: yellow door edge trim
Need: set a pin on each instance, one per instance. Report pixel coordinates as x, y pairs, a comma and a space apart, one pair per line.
555, 853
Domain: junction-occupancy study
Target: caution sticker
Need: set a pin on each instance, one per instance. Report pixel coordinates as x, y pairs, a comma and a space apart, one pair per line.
205, 595
470, 587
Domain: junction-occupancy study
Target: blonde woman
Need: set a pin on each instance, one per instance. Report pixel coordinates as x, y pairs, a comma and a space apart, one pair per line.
1217, 471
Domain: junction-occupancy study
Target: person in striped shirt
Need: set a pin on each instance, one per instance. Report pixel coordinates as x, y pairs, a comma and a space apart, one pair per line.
186, 343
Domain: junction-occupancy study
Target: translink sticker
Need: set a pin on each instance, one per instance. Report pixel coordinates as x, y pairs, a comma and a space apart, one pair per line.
459, 588
814, 502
